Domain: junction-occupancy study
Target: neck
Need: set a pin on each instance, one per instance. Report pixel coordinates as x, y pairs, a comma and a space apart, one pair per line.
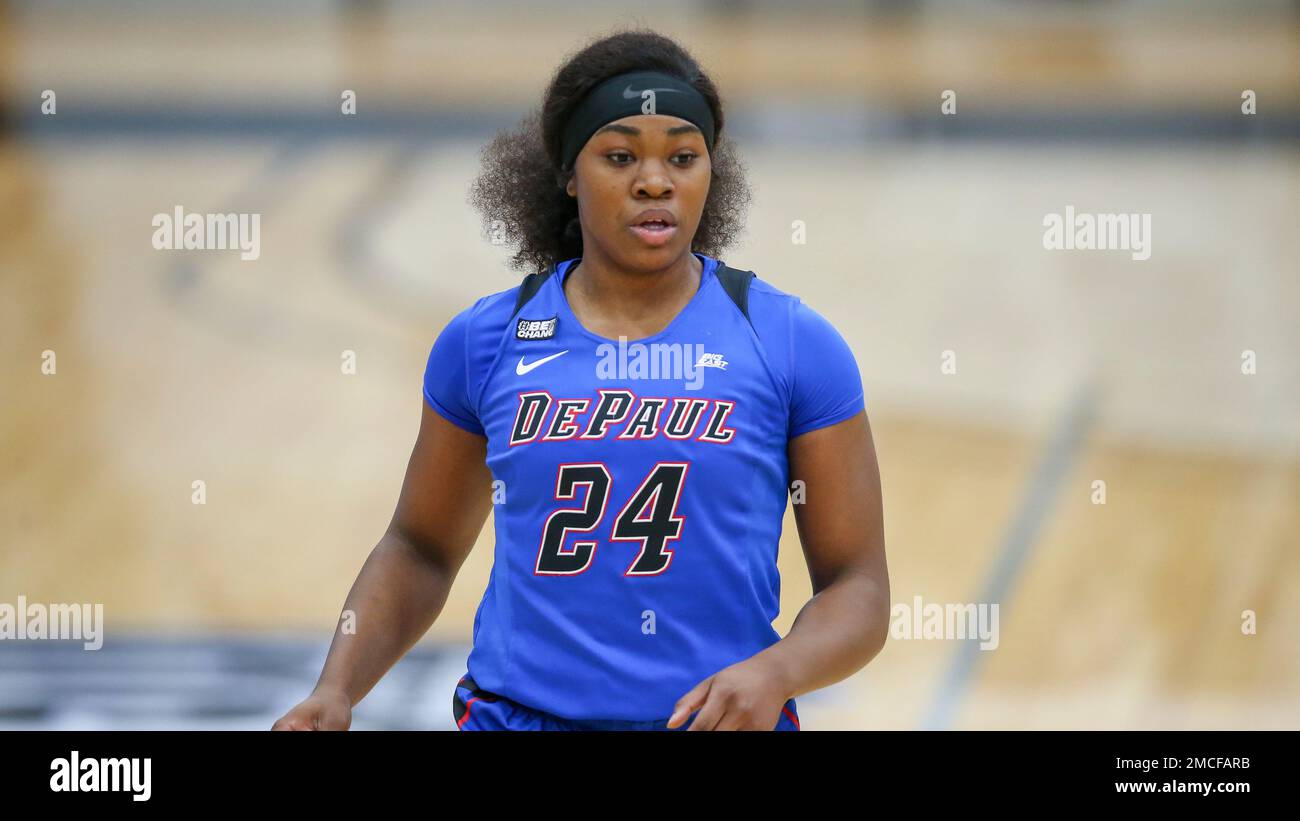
619, 294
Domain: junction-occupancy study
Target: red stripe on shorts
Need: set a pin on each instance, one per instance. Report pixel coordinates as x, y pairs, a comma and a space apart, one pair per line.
790, 715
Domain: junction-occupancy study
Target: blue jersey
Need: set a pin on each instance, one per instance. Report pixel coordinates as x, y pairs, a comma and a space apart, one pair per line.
640, 486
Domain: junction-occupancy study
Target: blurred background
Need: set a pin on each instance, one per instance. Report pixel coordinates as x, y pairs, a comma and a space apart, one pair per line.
924, 246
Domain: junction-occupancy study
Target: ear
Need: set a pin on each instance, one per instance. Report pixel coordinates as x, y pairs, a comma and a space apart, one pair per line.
570, 188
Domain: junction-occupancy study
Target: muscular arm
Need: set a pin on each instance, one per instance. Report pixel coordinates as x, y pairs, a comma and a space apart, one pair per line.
846, 622
402, 586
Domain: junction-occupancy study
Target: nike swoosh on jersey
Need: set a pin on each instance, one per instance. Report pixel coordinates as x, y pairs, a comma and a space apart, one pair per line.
522, 369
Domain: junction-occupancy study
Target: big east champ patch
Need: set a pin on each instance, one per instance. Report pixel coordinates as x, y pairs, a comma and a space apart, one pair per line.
536, 328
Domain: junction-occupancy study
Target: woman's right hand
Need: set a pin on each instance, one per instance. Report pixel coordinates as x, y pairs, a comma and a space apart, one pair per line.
322, 710
446, 497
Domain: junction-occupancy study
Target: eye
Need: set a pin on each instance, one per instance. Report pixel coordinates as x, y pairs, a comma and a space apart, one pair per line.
614, 155
686, 157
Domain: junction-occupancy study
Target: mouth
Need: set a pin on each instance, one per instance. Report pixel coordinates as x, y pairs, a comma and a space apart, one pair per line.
655, 231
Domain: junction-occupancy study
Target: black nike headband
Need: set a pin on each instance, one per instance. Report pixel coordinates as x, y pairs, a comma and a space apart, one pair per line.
630, 94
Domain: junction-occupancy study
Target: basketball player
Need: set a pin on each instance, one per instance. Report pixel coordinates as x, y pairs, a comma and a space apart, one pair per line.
635, 414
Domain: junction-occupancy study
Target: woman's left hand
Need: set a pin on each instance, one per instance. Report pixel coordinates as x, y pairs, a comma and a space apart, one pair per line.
748, 695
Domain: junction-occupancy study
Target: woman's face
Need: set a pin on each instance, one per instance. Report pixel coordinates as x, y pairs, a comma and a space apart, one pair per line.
647, 162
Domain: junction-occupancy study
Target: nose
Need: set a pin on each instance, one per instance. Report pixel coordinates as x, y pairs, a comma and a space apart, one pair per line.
652, 179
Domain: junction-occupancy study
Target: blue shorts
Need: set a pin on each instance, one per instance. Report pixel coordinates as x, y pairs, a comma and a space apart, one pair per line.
474, 708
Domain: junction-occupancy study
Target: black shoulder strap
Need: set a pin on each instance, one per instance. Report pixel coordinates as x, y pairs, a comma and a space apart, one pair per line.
529, 288
736, 284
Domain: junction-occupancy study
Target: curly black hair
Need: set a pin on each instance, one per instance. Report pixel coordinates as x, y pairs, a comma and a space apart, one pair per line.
520, 190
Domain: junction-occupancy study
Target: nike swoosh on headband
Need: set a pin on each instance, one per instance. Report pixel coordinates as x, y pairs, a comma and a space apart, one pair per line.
629, 94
